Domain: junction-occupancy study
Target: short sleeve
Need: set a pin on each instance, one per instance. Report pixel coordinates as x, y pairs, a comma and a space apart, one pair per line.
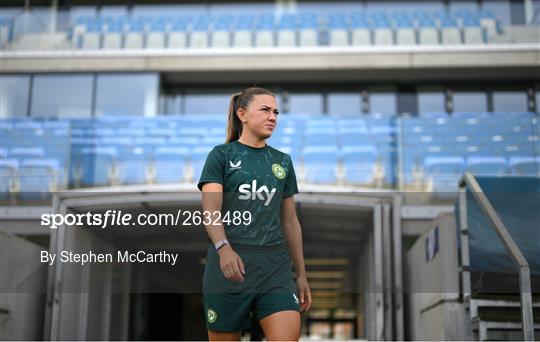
213, 170
291, 187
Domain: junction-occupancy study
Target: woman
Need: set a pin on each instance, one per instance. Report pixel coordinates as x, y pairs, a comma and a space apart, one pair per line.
248, 265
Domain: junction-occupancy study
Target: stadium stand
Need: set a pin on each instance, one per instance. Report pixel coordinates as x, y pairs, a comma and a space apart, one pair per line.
325, 149
302, 28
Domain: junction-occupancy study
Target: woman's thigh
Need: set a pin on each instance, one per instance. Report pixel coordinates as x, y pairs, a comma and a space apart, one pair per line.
223, 336
282, 326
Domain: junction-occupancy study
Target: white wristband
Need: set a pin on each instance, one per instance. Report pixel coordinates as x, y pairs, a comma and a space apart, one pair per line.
221, 243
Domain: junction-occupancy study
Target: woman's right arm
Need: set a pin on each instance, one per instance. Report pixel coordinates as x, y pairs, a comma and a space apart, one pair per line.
230, 262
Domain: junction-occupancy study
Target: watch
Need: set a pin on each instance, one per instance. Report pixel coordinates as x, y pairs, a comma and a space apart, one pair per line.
221, 243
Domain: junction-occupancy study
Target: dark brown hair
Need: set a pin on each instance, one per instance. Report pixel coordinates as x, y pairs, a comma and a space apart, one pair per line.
241, 100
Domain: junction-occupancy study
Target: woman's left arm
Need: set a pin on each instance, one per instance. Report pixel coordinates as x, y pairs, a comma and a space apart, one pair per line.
293, 235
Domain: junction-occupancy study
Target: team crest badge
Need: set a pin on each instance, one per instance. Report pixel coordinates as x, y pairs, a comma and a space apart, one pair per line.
211, 315
278, 171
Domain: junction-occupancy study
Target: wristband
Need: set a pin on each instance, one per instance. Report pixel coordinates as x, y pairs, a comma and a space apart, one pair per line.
220, 244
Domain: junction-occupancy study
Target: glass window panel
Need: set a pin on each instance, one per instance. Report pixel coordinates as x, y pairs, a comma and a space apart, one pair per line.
125, 94
510, 101
61, 95
344, 103
306, 103
207, 103
383, 103
470, 102
408, 6
431, 101
14, 95
463, 5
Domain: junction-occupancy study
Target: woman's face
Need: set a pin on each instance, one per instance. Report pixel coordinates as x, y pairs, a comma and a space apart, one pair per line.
260, 117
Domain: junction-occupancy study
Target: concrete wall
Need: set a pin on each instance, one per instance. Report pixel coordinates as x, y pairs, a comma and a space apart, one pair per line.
434, 310
23, 284
438, 63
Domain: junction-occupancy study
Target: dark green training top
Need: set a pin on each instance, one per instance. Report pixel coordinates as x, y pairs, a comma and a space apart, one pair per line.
254, 180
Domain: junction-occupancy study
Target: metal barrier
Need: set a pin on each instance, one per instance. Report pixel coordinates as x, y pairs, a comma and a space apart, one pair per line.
468, 180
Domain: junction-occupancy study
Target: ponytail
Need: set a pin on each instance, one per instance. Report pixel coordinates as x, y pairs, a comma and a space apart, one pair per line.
241, 100
234, 126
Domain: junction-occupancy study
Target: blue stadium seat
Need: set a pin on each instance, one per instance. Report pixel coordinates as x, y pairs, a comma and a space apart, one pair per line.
444, 171
27, 152
315, 140
185, 140
93, 166
360, 29
134, 37
178, 35
113, 35
38, 178
338, 29
198, 158
8, 176
170, 164
320, 164
308, 33
473, 33
525, 165
264, 34
427, 31
405, 31
243, 31
133, 167
487, 165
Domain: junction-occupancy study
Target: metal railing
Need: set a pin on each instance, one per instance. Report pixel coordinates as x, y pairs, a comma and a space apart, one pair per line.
468, 180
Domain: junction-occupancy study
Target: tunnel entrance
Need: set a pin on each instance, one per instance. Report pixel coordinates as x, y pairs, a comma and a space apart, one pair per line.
352, 249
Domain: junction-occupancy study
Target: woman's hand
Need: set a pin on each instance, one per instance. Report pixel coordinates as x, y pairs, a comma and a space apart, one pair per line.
304, 293
231, 264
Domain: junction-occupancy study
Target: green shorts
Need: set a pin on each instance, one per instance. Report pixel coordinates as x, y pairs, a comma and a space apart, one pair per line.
268, 287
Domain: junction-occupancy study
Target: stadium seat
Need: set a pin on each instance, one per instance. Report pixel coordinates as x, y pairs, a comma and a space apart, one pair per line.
198, 158
472, 31
27, 152
170, 164
405, 33
178, 36
427, 32
360, 32
134, 38
133, 167
320, 164
156, 37
450, 32
38, 178
8, 177
221, 35
525, 165
94, 166
444, 171
488, 22
199, 35
286, 33
487, 165
243, 31
112, 38
308, 34
91, 38
382, 32
264, 31
338, 32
